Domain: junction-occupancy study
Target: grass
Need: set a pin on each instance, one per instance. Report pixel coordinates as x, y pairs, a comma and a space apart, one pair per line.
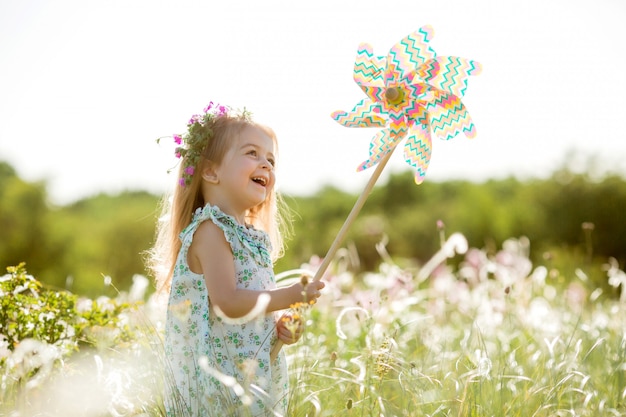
496, 336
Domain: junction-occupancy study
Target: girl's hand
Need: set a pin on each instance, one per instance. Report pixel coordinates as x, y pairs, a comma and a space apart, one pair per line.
311, 290
289, 328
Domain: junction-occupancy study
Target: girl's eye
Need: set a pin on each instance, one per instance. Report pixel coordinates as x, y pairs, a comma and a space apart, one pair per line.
254, 153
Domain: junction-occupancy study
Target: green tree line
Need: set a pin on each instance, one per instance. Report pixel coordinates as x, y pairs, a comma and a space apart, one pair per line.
567, 217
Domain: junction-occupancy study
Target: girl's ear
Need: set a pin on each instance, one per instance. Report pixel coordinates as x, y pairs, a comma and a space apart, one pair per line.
209, 173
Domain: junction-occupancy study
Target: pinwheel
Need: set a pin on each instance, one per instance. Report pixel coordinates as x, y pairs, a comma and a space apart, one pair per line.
409, 92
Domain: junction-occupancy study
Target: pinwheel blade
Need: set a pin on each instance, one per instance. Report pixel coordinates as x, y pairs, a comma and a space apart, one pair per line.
411, 52
368, 69
381, 144
449, 117
448, 73
362, 115
397, 123
417, 150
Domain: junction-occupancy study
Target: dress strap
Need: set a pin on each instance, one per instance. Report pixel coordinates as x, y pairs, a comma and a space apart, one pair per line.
256, 241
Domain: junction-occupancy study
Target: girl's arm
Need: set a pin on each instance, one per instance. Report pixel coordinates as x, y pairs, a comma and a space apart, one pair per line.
211, 255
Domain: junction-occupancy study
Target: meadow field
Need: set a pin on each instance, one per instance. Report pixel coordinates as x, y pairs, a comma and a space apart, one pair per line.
490, 334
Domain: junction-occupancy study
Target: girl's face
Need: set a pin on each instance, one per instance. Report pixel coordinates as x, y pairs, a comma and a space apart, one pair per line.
246, 174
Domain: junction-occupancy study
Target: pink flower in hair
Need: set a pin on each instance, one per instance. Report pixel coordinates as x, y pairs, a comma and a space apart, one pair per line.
178, 139
208, 107
189, 170
181, 182
194, 119
222, 110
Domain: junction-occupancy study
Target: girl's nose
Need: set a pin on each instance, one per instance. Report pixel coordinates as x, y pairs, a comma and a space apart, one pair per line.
266, 164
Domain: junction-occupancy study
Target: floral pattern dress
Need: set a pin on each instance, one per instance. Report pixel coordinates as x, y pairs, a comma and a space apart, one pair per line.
204, 352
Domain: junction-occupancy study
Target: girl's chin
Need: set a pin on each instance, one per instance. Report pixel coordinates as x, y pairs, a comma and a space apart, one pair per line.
260, 198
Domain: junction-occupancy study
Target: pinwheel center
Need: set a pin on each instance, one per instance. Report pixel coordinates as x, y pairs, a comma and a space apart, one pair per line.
394, 95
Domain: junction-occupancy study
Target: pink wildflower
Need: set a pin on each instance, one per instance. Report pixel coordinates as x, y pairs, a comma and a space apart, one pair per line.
222, 110
181, 182
178, 139
190, 170
208, 107
194, 119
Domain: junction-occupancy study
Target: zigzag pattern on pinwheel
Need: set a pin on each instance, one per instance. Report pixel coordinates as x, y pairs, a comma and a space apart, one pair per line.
448, 116
427, 32
453, 74
374, 93
417, 152
362, 115
367, 68
428, 70
412, 51
398, 123
357, 120
381, 144
446, 101
448, 124
417, 113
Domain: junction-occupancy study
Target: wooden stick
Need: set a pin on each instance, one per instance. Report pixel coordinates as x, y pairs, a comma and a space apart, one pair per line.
334, 247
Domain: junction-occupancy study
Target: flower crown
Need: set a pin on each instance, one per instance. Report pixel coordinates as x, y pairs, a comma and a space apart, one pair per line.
193, 142
199, 132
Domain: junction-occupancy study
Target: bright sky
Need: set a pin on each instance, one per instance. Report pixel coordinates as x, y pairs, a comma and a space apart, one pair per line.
87, 86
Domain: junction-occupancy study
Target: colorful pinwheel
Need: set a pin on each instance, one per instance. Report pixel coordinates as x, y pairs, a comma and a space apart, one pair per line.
410, 92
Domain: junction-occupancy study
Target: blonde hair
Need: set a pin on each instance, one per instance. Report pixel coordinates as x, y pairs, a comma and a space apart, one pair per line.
271, 216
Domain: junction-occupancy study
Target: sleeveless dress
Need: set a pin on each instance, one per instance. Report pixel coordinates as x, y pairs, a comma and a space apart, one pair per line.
204, 352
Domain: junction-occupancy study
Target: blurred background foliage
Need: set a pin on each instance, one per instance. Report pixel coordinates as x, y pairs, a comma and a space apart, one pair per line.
571, 219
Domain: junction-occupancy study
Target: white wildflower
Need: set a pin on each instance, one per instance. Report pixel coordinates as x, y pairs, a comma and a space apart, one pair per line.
4, 347
456, 243
84, 305
539, 275
46, 316
105, 303
32, 357
617, 277
138, 289
68, 330
541, 316
483, 364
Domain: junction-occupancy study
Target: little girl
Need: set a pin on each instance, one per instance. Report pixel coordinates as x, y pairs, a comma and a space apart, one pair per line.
214, 255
